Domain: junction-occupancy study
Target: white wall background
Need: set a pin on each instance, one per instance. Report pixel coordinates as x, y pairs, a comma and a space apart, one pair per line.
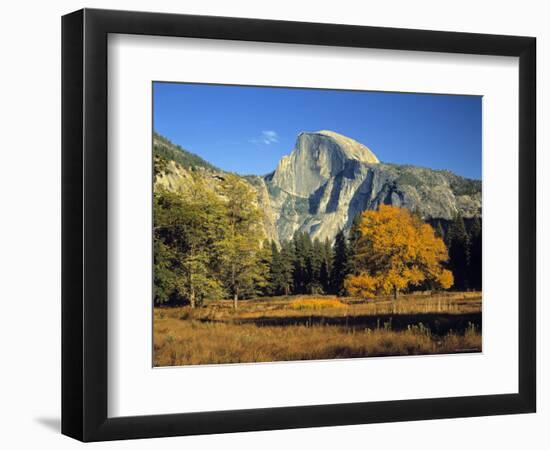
30, 223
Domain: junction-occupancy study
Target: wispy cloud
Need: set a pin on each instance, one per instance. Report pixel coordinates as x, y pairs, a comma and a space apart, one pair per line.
267, 137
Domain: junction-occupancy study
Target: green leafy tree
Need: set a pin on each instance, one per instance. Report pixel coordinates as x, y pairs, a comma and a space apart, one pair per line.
187, 252
166, 265
242, 270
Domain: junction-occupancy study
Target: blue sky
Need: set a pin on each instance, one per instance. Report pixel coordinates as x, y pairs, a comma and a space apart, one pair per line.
248, 129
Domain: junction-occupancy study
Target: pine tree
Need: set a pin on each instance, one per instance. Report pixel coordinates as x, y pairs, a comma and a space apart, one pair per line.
281, 269
307, 246
340, 264
299, 263
353, 239
263, 282
287, 267
475, 254
275, 270
459, 252
326, 267
317, 257
303, 263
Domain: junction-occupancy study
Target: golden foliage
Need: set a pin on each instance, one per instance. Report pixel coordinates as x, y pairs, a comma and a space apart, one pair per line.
360, 285
395, 251
446, 279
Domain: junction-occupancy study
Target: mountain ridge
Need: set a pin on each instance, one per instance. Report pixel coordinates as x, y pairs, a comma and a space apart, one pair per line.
328, 179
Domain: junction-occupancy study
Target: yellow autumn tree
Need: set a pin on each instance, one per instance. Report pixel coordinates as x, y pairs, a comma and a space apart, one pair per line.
396, 250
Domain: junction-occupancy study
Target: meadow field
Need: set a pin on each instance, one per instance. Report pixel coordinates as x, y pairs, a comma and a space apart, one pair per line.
310, 327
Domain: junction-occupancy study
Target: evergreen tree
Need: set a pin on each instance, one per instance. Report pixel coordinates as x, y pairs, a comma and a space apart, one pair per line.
326, 267
287, 257
303, 268
447, 234
353, 239
459, 252
317, 257
340, 263
307, 247
299, 263
281, 269
475, 254
275, 270
263, 282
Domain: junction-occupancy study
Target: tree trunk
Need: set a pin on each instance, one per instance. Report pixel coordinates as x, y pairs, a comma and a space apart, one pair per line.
192, 298
236, 292
395, 293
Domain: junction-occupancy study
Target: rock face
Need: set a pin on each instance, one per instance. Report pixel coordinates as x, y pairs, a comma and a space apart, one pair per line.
316, 159
328, 179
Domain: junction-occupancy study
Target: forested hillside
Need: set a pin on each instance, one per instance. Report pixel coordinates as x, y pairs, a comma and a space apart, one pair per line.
169, 151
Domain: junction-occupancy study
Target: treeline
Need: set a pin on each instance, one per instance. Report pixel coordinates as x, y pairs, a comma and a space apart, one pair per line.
210, 245
309, 266
463, 239
165, 150
306, 266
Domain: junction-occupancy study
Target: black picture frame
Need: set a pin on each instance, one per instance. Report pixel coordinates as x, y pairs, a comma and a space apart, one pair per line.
84, 224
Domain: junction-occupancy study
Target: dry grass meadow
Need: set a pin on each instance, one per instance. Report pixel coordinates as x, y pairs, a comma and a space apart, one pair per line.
317, 327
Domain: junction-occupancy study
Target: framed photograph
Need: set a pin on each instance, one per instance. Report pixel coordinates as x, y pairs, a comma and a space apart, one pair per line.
273, 224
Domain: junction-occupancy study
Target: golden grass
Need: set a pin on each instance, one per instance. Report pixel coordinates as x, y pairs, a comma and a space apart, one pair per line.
313, 327
316, 304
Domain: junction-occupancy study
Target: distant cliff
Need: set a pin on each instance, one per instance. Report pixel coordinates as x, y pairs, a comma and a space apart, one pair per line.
325, 181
